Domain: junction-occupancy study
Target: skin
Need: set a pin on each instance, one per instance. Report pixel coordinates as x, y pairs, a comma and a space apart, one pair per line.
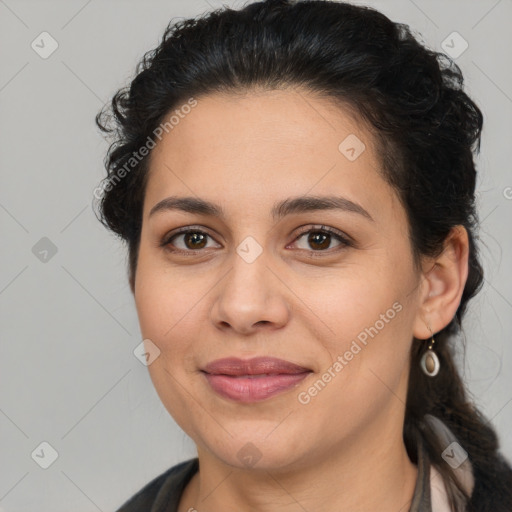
344, 449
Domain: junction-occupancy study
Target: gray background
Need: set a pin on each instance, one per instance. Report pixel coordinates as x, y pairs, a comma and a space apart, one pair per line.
68, 324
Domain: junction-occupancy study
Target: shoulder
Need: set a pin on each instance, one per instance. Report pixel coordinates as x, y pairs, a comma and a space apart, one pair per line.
164, 490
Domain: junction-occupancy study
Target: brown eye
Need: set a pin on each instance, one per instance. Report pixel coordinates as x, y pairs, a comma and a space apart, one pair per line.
194, 240
188, 240
320, 239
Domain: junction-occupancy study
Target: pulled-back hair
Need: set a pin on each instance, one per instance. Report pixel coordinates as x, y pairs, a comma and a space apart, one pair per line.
426, 130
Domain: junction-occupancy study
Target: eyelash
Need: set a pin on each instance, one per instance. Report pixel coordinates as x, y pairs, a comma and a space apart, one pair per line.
344, 240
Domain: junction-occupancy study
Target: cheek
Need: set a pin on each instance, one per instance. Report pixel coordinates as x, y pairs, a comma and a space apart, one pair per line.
365, 316
350, 300
165, 298
368, 353
167, 310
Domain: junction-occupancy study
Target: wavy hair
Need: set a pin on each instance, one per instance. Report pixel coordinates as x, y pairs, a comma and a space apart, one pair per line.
426, 129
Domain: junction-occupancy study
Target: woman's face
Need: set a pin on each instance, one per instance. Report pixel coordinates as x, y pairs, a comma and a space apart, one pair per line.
261, 280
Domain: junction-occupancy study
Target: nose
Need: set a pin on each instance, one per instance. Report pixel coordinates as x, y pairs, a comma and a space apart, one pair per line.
250, 297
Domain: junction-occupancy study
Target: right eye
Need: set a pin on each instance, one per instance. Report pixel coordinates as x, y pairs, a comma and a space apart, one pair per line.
191, 240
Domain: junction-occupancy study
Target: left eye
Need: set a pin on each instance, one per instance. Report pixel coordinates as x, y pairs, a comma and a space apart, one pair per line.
320, 239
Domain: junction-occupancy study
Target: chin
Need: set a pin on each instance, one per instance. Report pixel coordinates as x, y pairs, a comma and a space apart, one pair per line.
259, 452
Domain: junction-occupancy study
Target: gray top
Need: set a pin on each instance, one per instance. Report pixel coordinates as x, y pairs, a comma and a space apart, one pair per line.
163, 493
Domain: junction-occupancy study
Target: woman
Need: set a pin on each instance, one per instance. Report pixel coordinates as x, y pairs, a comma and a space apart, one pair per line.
295, 183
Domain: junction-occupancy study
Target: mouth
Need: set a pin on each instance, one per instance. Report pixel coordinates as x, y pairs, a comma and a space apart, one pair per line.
253, 380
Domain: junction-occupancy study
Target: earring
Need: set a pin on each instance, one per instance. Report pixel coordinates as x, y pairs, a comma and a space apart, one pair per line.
429, 361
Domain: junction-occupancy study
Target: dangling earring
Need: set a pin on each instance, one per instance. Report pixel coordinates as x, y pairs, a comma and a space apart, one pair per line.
429, 361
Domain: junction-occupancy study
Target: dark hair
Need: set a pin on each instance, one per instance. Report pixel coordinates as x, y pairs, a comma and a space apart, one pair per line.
426, 129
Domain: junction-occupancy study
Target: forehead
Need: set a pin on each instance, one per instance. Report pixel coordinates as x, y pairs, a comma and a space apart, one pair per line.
279, 121
264, 145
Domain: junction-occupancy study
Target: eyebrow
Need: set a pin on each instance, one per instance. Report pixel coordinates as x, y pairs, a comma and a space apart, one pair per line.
280, 209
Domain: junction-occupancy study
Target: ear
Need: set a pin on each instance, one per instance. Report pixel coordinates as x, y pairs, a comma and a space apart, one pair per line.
443, 280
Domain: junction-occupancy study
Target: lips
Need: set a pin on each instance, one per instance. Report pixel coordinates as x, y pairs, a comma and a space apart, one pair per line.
253, 380
256, 366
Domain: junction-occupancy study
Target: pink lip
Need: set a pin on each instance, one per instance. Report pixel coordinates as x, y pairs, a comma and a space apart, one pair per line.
246, 380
